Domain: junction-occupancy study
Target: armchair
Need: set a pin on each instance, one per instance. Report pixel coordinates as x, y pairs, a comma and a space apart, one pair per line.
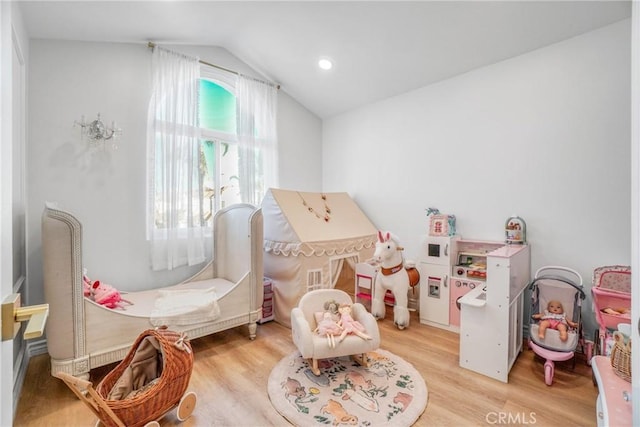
312, 346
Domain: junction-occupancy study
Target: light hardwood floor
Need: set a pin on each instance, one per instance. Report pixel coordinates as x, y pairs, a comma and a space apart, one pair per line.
231, 372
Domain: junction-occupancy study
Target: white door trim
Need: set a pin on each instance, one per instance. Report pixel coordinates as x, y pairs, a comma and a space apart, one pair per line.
635, 206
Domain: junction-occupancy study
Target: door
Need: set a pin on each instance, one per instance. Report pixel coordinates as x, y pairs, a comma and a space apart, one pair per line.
12, 200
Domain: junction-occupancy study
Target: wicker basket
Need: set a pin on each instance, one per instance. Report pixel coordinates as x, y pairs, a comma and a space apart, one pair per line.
159, 399
621, 357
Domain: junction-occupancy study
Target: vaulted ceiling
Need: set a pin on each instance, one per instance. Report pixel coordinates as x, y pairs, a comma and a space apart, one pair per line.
379, 48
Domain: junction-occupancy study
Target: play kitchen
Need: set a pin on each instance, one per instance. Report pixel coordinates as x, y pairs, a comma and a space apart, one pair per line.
468, 273
476, 288
491, 317
451, 267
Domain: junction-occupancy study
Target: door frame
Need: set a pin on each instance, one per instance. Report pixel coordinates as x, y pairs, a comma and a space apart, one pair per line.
12, 198
6, 250
635, 207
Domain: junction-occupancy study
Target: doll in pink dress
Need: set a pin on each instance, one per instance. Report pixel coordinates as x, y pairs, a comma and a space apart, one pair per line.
329, 327
349, 324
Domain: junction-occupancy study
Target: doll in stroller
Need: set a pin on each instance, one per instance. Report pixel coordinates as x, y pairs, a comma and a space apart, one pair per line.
554, 317
556, 303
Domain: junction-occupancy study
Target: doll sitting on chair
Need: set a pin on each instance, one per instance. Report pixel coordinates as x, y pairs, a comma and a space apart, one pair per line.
554, 317
349, 324
329, 327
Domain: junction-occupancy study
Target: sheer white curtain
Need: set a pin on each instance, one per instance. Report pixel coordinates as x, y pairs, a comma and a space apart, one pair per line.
175, 226
256, 106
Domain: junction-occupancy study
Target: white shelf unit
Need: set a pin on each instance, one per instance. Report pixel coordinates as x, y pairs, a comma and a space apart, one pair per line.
491, 317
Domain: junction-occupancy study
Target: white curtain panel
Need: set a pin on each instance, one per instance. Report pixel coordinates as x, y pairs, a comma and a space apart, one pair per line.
175, 227
256, 104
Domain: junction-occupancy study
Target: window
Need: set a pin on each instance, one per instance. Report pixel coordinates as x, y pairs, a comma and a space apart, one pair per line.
314, 279
218, 148
218, 181
211, 142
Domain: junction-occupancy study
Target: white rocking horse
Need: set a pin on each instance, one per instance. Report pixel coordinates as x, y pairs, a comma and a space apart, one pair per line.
392, 275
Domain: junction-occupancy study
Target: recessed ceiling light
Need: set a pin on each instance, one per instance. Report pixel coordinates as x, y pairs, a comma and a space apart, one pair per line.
325, 63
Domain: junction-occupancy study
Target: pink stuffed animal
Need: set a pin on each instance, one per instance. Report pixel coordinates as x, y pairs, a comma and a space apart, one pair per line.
86, 286
107, 295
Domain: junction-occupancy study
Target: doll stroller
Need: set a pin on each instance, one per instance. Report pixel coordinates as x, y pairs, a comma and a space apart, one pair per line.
148, 383
611, 291
562, 284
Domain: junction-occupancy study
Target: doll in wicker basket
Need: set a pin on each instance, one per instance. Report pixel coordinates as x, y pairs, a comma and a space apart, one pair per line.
554, 317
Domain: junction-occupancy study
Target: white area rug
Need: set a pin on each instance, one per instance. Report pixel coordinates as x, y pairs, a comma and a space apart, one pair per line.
389, 392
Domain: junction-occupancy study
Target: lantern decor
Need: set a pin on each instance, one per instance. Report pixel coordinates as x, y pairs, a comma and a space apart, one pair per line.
515, 230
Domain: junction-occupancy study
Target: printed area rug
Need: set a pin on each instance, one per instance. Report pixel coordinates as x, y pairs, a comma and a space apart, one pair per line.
390, 391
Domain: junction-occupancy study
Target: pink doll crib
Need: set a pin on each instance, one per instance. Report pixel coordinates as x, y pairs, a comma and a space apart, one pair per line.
611, 290
551, 285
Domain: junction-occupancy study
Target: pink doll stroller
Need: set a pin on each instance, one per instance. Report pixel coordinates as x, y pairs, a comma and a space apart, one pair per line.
611, 292
555, 329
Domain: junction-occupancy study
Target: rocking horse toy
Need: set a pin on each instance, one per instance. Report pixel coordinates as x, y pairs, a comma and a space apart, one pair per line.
394, 276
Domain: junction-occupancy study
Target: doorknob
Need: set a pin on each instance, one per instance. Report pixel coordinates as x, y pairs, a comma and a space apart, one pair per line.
13, 314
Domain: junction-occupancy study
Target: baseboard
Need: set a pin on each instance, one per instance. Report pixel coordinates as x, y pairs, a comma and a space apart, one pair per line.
19, 373
37, 347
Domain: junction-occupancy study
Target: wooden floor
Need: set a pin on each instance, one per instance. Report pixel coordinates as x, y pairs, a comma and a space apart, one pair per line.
231, 372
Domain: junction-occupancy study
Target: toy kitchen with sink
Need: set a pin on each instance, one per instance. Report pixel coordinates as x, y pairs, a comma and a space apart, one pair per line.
476, 288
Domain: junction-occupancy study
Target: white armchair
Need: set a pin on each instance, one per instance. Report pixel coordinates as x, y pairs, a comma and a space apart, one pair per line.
313, 346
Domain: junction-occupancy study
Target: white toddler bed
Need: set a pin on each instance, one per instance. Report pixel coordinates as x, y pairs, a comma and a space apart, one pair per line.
82, 335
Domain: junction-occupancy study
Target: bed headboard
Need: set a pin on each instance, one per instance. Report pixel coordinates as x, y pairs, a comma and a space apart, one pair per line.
62, 274
237, 233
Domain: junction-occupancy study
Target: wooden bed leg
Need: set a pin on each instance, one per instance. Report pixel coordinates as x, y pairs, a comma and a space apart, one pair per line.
253, 327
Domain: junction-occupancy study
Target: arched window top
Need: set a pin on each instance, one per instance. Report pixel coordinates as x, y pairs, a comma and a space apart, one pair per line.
217, 107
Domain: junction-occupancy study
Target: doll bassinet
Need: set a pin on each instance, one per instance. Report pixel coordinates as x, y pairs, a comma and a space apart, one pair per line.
148, 383
611, 291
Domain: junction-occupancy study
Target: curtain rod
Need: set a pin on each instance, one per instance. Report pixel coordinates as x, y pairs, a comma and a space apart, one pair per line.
152, 45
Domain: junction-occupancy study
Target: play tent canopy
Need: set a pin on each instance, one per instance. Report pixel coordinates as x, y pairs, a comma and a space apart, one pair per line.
307, 238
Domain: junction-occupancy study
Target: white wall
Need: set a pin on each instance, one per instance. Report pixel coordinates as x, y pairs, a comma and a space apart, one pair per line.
300, 145
545, 135
106, 189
